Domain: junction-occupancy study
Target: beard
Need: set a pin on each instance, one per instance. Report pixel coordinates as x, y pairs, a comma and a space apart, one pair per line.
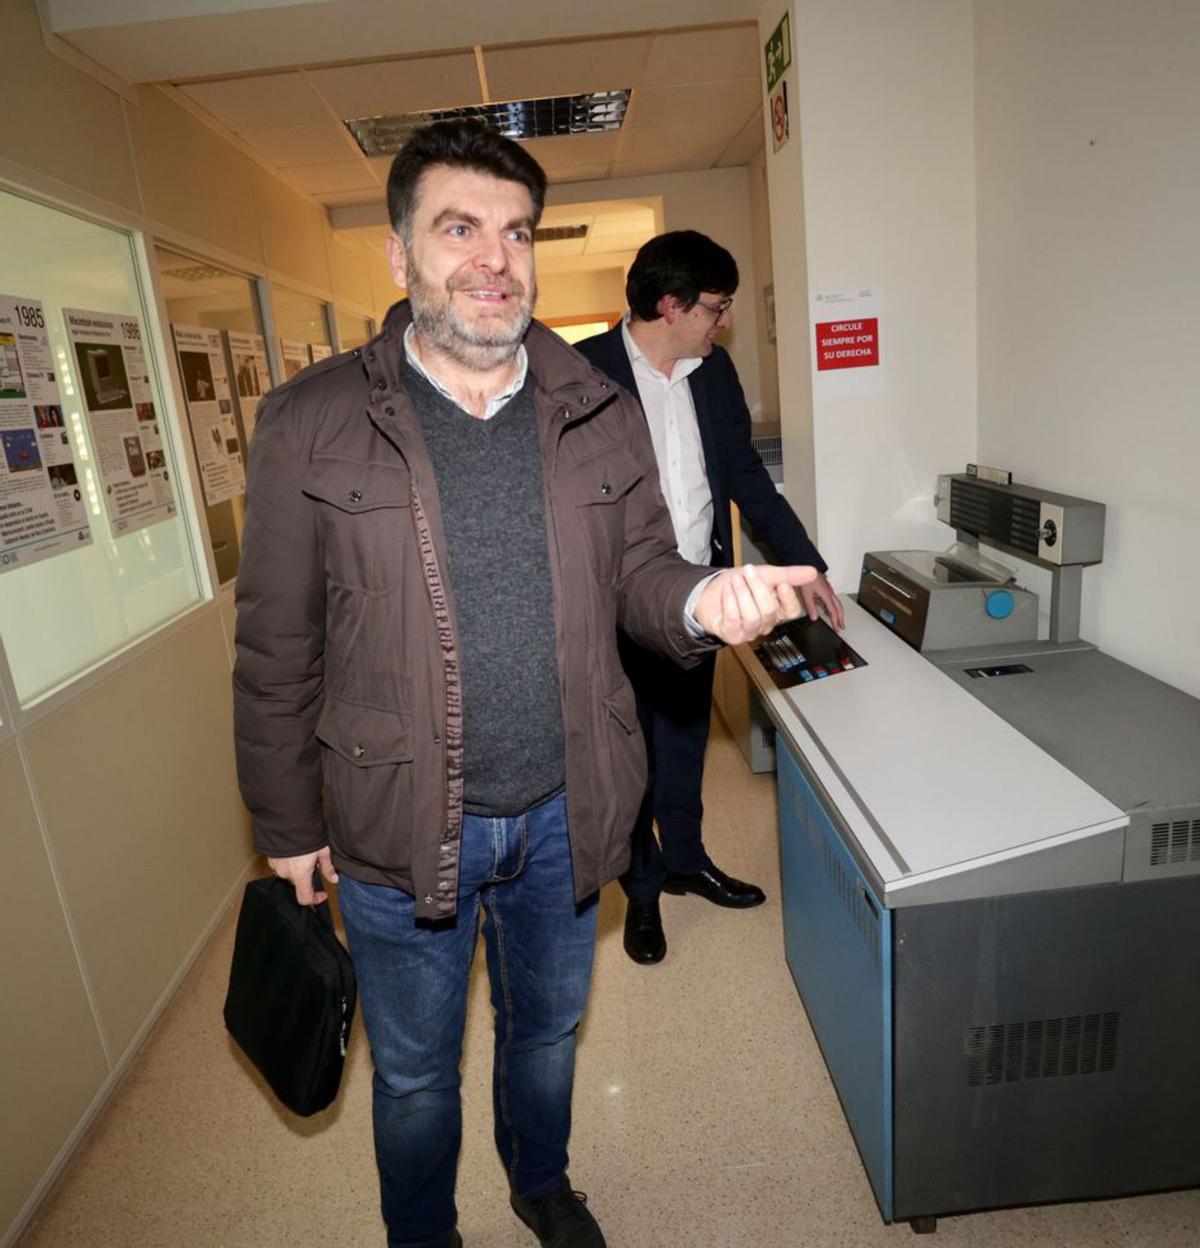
480, 347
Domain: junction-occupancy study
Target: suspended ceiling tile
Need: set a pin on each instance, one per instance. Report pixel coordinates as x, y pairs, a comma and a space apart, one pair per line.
577, 173
348, 199
629, 241
559, 247
302, 145
344, 175
402, 86
677, 106
684, 162
264, 100
536, 70
701, 140
703, 56
566, 150
610, 225
747, 145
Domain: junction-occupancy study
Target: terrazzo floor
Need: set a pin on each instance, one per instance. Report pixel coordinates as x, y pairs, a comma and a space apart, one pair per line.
704, 1117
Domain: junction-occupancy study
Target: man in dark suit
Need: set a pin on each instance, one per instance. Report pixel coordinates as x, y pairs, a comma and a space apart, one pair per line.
680, 289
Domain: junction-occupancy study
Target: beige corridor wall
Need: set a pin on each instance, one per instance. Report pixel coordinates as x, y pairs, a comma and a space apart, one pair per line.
876, 188
717, 203
121, 827
1089, 194
764, 269
154, 158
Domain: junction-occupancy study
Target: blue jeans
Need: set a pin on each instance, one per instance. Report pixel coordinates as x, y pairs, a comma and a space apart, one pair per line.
412, 982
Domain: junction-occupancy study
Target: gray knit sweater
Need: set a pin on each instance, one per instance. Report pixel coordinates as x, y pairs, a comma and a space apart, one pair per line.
489, 483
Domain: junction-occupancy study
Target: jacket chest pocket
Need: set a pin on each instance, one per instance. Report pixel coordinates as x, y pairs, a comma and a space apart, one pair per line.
363, 516
600, 487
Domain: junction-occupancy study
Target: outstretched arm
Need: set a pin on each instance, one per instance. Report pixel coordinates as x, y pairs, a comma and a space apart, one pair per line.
740, 604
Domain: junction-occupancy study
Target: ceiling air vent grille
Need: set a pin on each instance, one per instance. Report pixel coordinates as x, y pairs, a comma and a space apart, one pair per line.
559, 233
1050, 1048
1174, 842
546, 118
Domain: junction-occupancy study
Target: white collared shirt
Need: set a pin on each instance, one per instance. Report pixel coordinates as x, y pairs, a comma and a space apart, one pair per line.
671, 415
495, 403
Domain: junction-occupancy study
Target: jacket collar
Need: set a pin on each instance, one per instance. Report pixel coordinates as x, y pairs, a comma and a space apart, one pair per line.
573, 384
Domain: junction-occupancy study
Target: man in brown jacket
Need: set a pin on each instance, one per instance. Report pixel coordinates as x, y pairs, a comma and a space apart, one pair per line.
444, 530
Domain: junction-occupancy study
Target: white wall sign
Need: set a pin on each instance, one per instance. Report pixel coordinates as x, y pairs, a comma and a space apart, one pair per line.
848, 361
210, 412
114, 382
42, 512
251, 375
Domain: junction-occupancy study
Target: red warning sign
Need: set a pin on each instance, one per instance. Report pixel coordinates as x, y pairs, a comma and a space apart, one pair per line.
848, 344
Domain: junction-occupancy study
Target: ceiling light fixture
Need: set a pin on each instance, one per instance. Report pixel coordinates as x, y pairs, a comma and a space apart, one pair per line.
546, 118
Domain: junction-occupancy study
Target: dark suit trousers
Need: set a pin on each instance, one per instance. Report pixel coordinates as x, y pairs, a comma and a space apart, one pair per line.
673, 706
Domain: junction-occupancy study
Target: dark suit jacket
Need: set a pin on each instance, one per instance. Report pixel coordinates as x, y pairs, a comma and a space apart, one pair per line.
735, 470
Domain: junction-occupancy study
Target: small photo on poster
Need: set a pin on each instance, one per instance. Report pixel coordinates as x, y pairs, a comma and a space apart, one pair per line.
63, 476
102, 370
155, 460
21, 452
48, 416
246, 372
197, 376
145, 412
135, 457
12, 380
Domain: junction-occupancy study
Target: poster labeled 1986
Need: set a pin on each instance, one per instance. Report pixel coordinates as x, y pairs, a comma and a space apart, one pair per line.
42, 511
114, 382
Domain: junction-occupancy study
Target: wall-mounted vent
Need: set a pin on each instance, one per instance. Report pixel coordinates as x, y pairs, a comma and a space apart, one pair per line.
770, 449
1049, 1048
1174, 842
559, 233
545, 118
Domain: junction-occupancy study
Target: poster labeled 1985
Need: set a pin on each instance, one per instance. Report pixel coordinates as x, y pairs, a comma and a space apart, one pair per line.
42, 511
114, 382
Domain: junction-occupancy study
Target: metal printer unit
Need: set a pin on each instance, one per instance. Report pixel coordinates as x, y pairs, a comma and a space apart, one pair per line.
954, 598
990, 876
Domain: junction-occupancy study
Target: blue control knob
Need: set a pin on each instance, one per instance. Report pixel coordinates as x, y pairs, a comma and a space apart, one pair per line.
1000, 604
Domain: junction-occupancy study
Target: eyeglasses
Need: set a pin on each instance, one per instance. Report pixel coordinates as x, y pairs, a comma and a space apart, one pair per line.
719, 310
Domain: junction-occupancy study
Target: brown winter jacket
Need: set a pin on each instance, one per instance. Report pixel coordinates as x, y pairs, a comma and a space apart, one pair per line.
347, 675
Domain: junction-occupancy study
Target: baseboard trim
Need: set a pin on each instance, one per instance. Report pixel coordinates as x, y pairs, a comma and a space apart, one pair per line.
104, 1094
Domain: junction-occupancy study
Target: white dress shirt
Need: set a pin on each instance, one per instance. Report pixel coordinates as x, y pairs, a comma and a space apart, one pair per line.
495, 403
671, 415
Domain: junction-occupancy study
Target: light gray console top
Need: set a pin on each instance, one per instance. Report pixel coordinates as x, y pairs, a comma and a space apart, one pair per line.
939, 798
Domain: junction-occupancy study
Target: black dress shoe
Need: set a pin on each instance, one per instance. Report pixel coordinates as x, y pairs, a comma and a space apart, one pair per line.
560, 1219
714, 885
644, 939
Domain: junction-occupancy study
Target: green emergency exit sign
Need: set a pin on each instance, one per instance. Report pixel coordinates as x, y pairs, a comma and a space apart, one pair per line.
778, 51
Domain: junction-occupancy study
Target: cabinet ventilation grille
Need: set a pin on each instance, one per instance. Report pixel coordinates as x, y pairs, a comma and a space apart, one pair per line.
1049, 1048
861, 911
1174, 842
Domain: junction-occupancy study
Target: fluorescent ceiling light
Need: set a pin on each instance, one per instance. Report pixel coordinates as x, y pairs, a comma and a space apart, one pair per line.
546, 118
